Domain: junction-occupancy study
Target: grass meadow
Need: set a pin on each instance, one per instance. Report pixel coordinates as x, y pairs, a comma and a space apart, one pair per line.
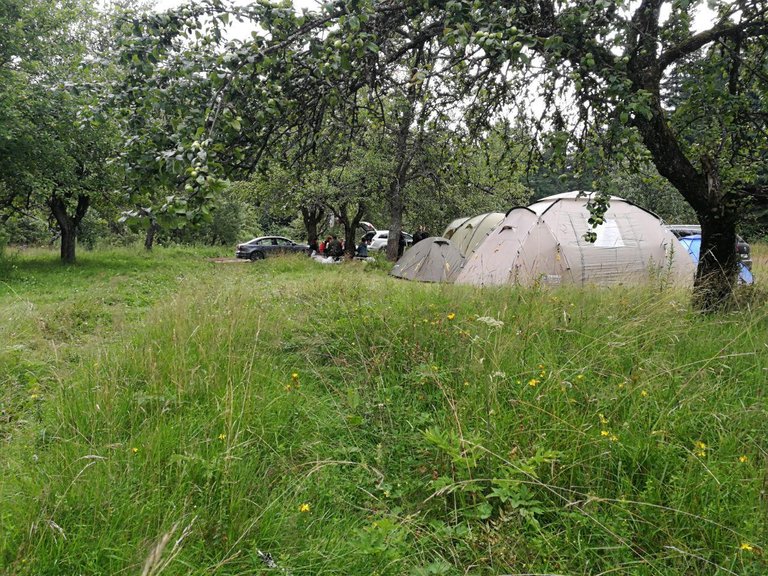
165, 414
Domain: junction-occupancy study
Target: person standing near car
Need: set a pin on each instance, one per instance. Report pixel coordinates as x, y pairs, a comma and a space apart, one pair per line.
420, 235
400, 245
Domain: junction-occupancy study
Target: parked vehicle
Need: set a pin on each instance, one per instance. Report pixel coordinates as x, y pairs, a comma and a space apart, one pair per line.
263, 246
693, 245
742, 248
379, 239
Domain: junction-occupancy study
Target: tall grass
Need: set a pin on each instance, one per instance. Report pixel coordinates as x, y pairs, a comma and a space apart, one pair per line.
332, 420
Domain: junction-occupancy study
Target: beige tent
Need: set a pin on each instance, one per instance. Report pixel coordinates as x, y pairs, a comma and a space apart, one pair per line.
453, 226
473, 231
433, 259
545, 243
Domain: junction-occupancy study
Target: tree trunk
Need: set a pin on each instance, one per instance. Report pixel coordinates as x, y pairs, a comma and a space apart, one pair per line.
152, 230
350, 226
717, 272
312, 217
68, 224
397, 184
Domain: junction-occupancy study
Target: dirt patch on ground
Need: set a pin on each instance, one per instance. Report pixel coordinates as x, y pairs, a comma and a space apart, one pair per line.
227, 260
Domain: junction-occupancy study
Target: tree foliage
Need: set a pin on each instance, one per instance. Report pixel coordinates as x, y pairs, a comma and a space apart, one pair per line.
55, 144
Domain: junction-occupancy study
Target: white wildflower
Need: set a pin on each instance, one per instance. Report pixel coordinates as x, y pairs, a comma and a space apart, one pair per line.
493, 322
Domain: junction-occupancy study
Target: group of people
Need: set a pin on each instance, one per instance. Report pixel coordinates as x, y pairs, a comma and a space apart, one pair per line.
334, 248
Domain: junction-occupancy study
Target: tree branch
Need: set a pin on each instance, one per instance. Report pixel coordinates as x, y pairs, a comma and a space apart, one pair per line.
719, 32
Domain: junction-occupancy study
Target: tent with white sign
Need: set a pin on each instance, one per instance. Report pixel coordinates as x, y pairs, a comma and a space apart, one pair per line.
545, 244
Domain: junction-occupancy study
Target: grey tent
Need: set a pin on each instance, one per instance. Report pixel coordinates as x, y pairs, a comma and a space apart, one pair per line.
433, 259
545, 243
453, 226
471, 233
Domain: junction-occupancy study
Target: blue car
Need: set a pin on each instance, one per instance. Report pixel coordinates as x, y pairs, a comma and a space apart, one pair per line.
693, 244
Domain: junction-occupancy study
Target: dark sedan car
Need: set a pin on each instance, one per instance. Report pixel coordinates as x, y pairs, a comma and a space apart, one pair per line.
263, 246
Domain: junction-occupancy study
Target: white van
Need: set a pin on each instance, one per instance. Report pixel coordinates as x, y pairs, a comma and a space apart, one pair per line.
379, 239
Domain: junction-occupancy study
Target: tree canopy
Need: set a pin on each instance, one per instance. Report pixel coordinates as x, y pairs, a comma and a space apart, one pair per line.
57, 147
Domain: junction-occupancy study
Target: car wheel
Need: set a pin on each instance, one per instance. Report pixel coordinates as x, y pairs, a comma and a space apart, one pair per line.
256, 255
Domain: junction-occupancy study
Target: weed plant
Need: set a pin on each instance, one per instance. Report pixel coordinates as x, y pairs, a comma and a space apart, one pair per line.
165, 414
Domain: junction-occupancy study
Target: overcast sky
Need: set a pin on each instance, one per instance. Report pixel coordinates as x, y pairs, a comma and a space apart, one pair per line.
704, 16
165, 4
237, 30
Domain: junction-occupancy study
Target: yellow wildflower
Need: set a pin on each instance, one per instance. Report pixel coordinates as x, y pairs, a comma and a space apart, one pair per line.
604, 433
579, 377
533, 382
304, 507
295, 376
451, 316
743, 458
603, 419
222, 436
643, 393
746, 546
135, 450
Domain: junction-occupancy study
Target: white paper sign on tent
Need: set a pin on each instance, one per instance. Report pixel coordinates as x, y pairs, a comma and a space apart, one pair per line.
609, 235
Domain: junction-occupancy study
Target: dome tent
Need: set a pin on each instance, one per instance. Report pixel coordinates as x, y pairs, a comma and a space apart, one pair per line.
453, 226
433, 259
545, 243
471, 233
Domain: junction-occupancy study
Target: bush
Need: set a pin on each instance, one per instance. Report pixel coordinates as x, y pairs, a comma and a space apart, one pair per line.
229, 220
92, 228
3, 240
21, 229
